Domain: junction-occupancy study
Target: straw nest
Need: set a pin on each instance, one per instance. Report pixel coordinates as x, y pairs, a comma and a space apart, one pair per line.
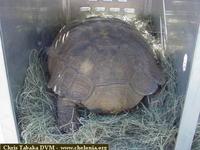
151, 125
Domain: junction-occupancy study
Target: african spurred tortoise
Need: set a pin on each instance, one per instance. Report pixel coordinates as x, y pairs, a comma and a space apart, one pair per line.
102, 64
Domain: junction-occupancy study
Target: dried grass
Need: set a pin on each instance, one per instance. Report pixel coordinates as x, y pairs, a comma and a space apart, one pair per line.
151, 126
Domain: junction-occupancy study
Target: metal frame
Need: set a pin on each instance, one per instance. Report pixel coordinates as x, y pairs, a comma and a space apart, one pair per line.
191, 109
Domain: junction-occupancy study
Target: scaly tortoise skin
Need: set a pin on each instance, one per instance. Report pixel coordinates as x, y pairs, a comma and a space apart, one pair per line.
102, 64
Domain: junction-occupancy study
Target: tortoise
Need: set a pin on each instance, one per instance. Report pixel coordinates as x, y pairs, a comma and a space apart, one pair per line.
102, 64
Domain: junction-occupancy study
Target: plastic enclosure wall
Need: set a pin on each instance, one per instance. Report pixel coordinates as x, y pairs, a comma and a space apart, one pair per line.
8, 132
182, 21
192, 105
176, 21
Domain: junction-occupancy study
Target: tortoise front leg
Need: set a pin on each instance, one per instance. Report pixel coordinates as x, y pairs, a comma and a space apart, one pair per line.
67, 116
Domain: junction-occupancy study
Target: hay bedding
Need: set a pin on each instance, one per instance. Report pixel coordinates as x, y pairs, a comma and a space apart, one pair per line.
151, 126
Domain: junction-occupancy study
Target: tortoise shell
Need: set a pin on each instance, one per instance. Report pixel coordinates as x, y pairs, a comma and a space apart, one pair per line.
104, 65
